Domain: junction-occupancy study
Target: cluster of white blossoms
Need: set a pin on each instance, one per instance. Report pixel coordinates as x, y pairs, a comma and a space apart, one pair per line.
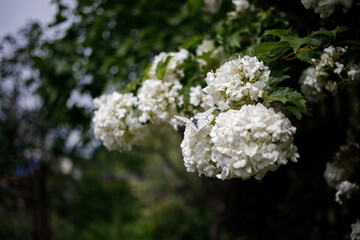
159, 100
209, 46
115, 121
344, 190
355, 233
237, 82
338, 172
325, 7
174, 70
196, 149
198, 98
241, 144
241, 8
252, 141
316, 78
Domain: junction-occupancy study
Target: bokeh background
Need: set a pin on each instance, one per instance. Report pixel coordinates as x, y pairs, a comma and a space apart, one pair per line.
58, 182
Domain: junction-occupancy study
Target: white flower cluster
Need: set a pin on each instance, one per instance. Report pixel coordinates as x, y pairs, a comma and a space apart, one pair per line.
158, 100
196, 149
200, 99
338, 172
325, 7
116, 123
242, 143
316, 78
344, 190
355, 233
174, 70
241, 7
209, 46
237, 82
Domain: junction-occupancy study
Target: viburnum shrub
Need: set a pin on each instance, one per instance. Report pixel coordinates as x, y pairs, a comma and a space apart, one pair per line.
232, 93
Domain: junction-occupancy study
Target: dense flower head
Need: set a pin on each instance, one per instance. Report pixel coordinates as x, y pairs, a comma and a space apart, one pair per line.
174, 70
116, 123
251, 141
158, 100
238, 82
196, 149
325, 7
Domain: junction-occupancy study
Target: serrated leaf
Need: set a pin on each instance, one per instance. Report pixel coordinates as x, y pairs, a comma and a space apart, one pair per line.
331, 33
307, 56
289, 36
277, 73
292, 100
270, 51
161, 68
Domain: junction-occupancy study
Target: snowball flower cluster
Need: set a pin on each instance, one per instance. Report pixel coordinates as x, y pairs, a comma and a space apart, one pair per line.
200, 99
241, 7
241, 144
325, 7
355, 233
316, 78
196, 150
344, 190
115, 121
237, 82
252, 141
174, 70
158, 100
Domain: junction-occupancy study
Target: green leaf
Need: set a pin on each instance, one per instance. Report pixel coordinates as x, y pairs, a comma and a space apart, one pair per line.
289, 36
293, 101
270, 51
193, 42
161, 68
277, 73
307, 56
332, 33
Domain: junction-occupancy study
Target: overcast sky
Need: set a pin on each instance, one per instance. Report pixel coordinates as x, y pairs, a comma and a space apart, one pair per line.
14, 14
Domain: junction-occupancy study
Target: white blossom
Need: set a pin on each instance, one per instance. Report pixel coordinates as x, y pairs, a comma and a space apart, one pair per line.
174, 70
355, 233
196, 149
344, 190
115, 121
251, 141
158, 101
198, 98
315, 79
325, 7
311, 86
238, 82
354, 72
